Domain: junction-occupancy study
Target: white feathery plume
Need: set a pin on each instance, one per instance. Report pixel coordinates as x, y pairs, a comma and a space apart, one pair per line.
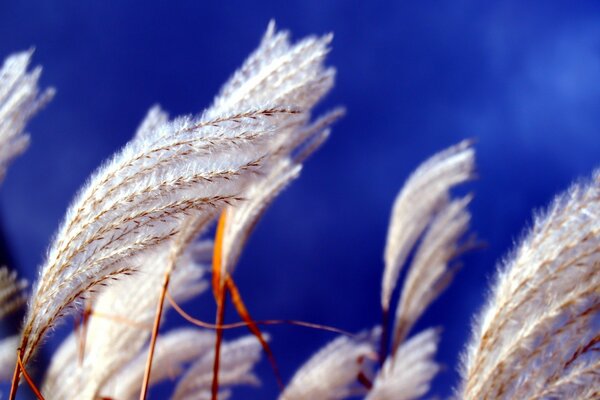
112, 344
122, 316
580, 382
425, 191
120, 214
154, 119
429, 274
333, 371
408, 374
539, 331
12, 297
8, 357
237, 360
20, 99
271, 75
136, 202
173, 350
278, 73
64, 377
12, 292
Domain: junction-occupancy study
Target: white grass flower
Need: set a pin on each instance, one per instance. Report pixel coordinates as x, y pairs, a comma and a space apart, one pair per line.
333, 371
238, 359
8, 357
12, 298
424, 193
188, 167
174, 349
12, 292
276, 73
423, 213
20, 99
64, 378
119, 326
538, 335
408, 374
429, 274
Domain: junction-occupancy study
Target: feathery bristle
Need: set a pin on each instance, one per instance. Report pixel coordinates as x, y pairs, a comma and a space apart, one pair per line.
12, 292
539, 329
135, 204
8, 357
238, 359
408, 374
173, 350
122, 315
425, 191
332, 372
20, 99
429, 274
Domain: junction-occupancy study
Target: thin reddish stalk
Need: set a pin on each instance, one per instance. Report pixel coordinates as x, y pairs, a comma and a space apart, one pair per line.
385, 335
20, 368
83, 331
364, 380
157, 317
236, 298
243, 324
16, 376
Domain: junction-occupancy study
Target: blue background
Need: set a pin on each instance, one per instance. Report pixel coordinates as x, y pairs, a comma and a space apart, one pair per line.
522, 78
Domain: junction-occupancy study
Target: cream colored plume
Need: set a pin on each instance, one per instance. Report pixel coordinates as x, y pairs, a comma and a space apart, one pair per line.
12, 292
408, 374
278, 73
65, 377
271, 75
134, 205
174, 349
110, 344
8, 357
332, 372
237, 360
119, 326
429, 274
20, 99
424, 193
538, 336
12, 298
423, 213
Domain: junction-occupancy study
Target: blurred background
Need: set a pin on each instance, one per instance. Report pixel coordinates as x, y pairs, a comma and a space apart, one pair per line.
523, 80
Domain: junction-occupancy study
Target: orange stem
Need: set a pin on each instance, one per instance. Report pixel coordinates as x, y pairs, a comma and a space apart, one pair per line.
217, 272
236, 298
28, 378
220, 294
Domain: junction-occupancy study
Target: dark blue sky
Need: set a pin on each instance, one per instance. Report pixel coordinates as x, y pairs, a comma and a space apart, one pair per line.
522, 79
